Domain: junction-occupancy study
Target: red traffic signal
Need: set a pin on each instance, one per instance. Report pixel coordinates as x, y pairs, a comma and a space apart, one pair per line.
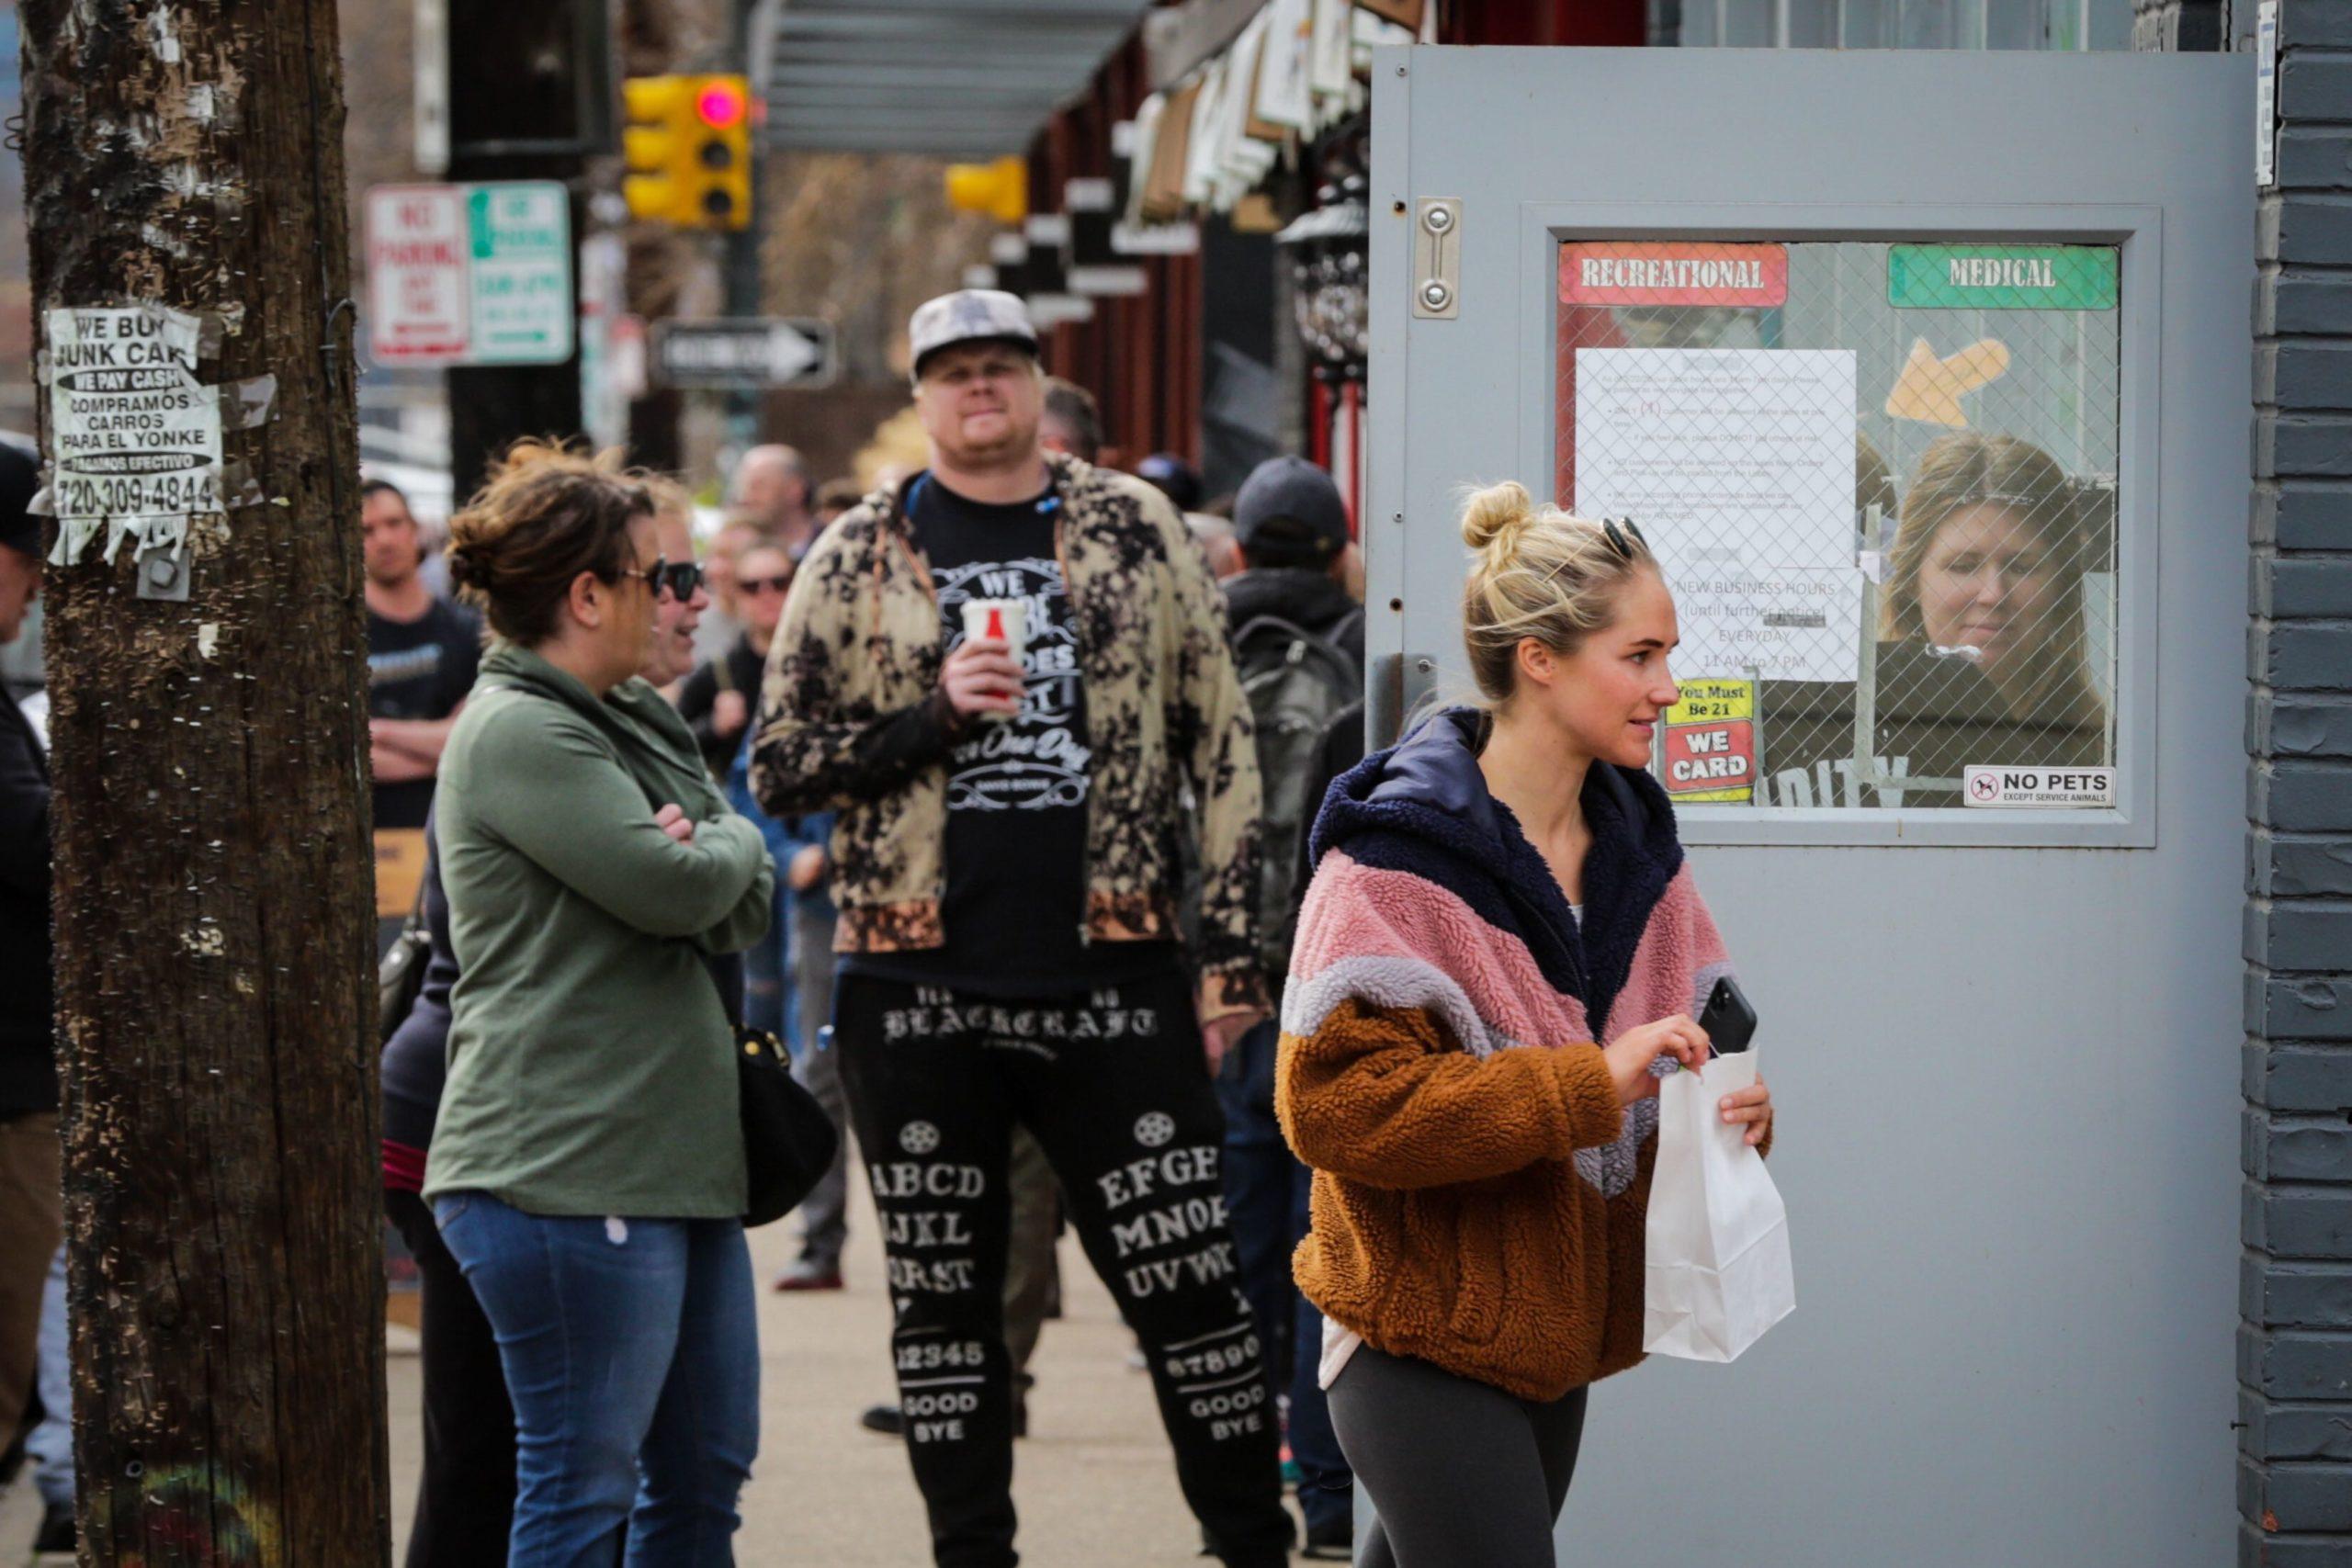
721, 105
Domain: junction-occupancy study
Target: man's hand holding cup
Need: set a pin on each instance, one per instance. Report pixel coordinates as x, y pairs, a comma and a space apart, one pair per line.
983, 676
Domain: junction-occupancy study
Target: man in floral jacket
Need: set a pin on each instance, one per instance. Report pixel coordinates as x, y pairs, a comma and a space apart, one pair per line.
1007, 865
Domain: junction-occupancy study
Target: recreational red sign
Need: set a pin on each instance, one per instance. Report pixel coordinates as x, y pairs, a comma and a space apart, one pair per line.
1647, 272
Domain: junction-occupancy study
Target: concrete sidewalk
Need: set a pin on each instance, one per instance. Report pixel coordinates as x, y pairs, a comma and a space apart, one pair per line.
1094, 1481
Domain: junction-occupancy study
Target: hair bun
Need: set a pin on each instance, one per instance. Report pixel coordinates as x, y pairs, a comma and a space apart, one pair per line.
466, 567
1493, 518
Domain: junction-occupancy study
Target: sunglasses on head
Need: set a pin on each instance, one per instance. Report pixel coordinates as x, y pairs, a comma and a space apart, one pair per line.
779, 584
1616, 531
677, 579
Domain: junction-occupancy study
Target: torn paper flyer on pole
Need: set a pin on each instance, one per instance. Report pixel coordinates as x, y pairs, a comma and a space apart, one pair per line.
134, 435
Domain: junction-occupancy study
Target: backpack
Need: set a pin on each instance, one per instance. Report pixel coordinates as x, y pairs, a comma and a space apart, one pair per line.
1296, 682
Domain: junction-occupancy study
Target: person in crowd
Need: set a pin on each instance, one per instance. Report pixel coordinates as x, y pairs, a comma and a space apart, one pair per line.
1500, 944
433, 543
835, 497
1181, 483
464, 1500
788, 990
1989, 561
32, 1178
1297, 639
805, 868
422, 654
50, 1445
1173, 478
717, 699
773, 489
723, 626
1291, 528
682, 595
1071, 423
1006, 876
586, 1168
1212, 537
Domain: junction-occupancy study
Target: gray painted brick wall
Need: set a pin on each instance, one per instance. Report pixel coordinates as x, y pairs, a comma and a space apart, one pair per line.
2294, 1351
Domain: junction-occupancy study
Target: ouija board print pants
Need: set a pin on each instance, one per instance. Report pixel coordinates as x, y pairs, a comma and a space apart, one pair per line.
1112, 1084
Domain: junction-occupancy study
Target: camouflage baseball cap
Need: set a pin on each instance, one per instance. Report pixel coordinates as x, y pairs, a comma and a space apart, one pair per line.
968, 315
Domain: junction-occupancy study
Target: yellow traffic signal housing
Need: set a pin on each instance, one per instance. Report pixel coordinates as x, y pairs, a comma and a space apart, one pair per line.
688, 147
1001, 189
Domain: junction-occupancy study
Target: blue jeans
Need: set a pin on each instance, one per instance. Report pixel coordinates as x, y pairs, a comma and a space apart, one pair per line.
633, 1360
51, 1444
1265, 1195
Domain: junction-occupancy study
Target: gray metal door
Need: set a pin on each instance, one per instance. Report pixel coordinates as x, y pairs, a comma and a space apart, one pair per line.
1998, 971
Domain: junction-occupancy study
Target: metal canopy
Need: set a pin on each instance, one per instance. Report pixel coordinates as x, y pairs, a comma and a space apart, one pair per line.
957, 78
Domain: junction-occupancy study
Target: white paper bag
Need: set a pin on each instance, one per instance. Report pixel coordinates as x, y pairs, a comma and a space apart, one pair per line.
1718, 1272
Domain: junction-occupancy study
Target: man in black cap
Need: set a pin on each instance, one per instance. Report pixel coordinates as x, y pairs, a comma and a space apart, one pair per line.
32, 1206
1298, 642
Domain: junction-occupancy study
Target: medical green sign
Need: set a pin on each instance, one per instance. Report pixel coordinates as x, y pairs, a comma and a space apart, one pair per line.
2001, 277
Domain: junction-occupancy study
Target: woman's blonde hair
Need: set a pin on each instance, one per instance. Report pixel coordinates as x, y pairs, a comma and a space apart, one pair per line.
1538, 571
672, 502
545, 514
2049, 679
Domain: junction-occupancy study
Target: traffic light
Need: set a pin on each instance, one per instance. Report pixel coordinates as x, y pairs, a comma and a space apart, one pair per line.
999, 189
688, 146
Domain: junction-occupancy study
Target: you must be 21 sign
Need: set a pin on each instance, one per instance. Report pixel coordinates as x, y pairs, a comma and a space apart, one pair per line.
1708, 752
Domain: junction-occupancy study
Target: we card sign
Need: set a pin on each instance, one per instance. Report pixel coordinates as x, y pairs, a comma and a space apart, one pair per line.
1708, 752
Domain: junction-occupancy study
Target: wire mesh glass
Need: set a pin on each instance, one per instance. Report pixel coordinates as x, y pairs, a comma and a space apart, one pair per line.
1881, 479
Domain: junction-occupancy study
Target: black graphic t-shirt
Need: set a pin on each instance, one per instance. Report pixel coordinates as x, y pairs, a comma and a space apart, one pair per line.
1015, 904
419, 669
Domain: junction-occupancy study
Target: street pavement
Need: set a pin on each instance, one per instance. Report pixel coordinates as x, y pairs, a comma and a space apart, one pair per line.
1093, 1482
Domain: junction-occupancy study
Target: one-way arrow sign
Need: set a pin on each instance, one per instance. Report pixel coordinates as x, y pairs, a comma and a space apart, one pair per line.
744, 353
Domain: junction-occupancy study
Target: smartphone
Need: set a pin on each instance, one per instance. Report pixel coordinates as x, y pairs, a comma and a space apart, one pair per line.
1729, 1021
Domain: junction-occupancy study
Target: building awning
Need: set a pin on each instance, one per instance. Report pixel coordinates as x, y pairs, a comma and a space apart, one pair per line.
953, 78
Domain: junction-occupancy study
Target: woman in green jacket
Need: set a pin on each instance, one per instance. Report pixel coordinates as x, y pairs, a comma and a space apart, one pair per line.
587, 1164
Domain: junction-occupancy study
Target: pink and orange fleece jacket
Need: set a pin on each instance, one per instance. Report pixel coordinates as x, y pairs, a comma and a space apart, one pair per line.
1479, 1193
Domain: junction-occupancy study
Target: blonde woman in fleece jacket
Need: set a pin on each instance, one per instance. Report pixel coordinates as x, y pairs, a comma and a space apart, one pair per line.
1499, 957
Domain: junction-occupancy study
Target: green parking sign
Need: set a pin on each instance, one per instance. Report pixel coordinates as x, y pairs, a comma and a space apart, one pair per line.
521, 276
2001, 277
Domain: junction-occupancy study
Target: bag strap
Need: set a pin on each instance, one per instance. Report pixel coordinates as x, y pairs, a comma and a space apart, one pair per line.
1335, 660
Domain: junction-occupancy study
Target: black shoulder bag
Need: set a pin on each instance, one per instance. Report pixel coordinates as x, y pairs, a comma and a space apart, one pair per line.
788, 1141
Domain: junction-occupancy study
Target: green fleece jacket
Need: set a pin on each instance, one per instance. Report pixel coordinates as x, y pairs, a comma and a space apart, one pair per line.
591, 1066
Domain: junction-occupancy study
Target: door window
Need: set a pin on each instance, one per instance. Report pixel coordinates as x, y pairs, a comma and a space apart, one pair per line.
1880, 478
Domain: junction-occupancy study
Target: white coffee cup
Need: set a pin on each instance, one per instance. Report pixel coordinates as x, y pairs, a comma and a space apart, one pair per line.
1001, 620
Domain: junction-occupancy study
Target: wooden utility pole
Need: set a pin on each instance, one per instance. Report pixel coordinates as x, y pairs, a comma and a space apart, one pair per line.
214, 930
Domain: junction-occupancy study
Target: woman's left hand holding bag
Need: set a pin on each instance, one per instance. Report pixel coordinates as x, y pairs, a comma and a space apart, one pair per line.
1752, 1105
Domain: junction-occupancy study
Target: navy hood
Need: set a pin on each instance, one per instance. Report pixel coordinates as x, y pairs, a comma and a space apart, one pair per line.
1422, 806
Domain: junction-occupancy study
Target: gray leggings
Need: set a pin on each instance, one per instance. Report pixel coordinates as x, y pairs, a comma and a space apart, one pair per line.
1463, 1474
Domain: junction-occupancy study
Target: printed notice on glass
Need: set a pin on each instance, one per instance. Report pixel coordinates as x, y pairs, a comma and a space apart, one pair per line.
1738, 465
132, 432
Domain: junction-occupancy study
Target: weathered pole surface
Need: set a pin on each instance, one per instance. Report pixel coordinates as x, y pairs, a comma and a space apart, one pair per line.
214, 931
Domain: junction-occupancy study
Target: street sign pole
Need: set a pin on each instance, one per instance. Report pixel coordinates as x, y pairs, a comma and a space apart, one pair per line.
499, 134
